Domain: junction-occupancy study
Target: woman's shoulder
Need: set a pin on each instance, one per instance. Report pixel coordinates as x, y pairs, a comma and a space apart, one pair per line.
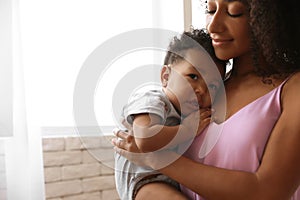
292, 81
291, 89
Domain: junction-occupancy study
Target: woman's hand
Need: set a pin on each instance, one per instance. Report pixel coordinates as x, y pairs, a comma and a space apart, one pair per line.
125, 145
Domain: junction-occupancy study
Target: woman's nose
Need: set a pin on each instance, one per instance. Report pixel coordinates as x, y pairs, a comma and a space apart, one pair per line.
215, 22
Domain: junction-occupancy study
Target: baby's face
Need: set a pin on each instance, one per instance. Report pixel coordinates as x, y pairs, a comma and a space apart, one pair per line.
190, 88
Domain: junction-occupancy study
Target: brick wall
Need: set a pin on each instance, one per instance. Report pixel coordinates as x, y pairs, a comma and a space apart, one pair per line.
74, 169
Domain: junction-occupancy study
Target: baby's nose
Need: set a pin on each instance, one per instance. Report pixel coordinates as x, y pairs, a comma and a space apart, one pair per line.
200, 90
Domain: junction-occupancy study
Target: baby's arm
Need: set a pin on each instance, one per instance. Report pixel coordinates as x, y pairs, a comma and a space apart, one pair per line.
151, 134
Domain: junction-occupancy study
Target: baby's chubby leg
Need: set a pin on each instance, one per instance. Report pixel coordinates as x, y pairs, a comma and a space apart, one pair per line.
159, 190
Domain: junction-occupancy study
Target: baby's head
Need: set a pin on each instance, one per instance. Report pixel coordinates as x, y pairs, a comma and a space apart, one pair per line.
191, 72
194, 39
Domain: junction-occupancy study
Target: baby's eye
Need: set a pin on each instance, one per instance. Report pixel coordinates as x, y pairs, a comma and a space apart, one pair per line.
213, 87
193, 76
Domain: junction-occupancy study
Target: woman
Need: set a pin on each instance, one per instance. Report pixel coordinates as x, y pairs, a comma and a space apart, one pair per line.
256, 156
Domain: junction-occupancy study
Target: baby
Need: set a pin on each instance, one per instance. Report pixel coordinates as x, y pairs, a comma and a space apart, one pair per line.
180, 108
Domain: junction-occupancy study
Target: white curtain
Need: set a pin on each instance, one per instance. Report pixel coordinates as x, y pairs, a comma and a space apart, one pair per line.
22, 164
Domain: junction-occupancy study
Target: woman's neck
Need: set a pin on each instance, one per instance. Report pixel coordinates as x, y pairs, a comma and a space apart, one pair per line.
243, 66
244, 70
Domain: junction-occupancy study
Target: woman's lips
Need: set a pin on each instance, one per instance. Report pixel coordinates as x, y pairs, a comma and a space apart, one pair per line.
220, 42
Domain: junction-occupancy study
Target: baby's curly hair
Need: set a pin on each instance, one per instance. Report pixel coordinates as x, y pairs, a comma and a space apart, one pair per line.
195, 38
275, 35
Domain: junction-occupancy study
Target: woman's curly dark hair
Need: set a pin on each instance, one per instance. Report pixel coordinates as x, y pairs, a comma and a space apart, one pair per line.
276, 35
195, 38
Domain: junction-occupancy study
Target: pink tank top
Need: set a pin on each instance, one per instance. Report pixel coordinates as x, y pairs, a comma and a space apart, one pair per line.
238, 143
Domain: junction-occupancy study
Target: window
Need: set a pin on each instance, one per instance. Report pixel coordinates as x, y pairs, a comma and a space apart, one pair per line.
198, 13
59, 35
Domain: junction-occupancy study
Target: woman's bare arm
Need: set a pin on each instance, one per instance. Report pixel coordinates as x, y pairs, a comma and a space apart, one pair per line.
277, 177
279, 174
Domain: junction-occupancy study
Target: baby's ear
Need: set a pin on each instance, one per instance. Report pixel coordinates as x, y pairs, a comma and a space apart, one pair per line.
164, 75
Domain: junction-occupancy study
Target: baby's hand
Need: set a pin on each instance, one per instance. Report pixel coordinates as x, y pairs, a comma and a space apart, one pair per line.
198, 120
